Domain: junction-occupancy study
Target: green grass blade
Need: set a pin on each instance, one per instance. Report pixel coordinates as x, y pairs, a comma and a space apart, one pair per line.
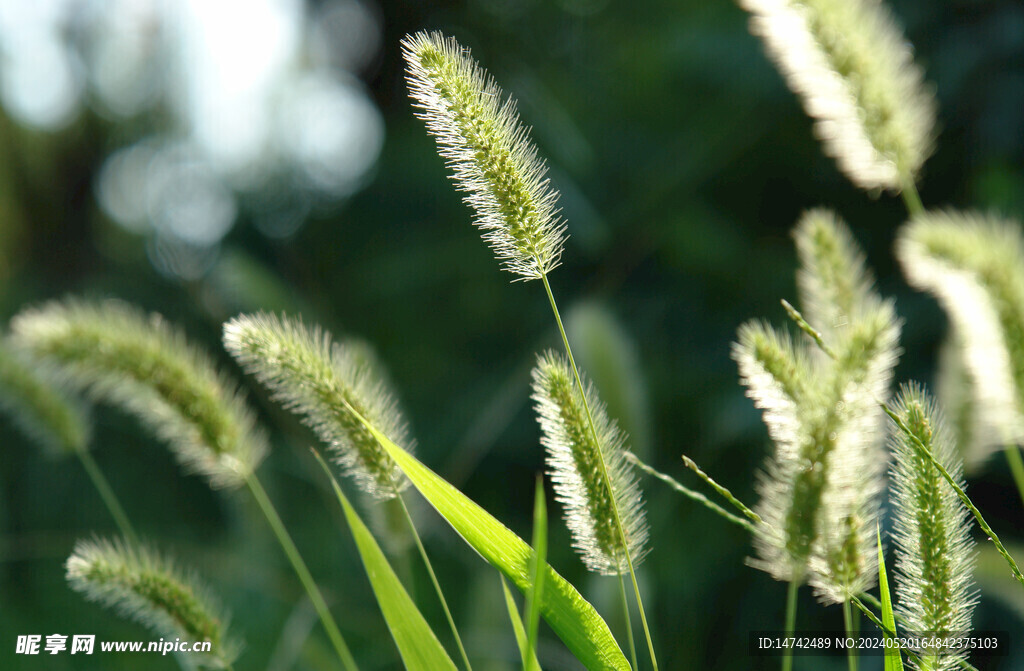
417, 644
517, 626
569, 615
893, 659
540, 557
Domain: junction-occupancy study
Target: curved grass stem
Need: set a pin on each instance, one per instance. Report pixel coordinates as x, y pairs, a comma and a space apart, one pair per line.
433, 579
689, 493
292, 552
109, 498
604, 469
912, 199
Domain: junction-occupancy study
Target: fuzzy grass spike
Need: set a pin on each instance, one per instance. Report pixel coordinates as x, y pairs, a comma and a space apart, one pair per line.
974, 265
575, 470
854, 73
323, 381
490, 153
143, 586
140, 363
934, 550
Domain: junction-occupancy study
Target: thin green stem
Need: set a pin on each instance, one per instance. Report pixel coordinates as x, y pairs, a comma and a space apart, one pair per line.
787, 653
433, 579
302, 572
1016, 467
722, 491
604, 469
629, 623
108, 496
804, 326
689, 493
985, 528
912, 199
851, 653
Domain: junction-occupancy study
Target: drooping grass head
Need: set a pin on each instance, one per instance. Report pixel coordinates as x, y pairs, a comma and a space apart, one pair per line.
490, 153
856, 77
140, 363
143, 586
331, 385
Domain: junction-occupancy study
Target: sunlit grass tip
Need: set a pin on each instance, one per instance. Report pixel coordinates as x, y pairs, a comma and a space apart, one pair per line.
140, 363
574, 462
143, 586
490, 153
834, 282
855, 74
39, 402
974, 265
934, 550
324, 381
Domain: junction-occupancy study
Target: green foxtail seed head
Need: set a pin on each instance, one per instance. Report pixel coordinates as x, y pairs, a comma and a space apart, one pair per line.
140, 363
821, 490
574, 462
490, 152
324, 381
35, 398
834, 284
143, 586
974, 265
855, 75
934, 550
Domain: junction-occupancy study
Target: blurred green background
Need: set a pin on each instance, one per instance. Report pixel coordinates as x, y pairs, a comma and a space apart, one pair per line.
200, 159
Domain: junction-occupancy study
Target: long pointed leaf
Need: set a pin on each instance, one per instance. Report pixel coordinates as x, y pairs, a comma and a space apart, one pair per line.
417, 644
539, 561
893, 659
517, 627
568, 614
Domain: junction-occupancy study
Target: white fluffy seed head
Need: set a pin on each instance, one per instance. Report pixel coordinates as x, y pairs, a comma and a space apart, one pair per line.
855, 75
490, 153
141, 585
974, 266
574, 463
142, 364
329, 384
821, 490
934, 551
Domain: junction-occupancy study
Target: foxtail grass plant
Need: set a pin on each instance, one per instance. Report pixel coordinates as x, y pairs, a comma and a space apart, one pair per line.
855, 75
494, 162
934, 549
972, 263
336, 389
138, 362
821, 490
143, 586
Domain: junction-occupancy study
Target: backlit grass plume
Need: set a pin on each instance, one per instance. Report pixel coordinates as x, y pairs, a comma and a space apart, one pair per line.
40, 405
494, 162
143, 586
855, 75
821, 490
324, 381
974, 265
934, 549
574, 461
140, 363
